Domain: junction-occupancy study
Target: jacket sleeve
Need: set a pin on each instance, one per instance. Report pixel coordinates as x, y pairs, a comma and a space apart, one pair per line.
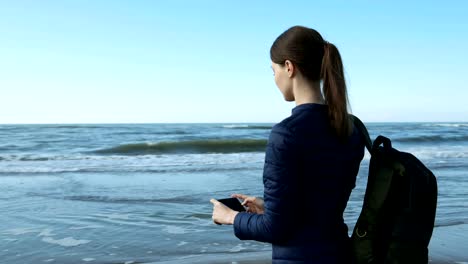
280, 189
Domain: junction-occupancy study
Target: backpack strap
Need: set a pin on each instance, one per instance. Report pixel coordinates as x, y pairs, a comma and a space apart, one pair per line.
363, 131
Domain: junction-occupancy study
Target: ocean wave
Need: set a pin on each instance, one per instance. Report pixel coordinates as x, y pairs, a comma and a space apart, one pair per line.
247, 126
166, 133
150, 159
188, 147
433, 138
452, 222
65, 242
132, 200
41, 157
448, 125
72, 126
34, 158
157, 164
121, 169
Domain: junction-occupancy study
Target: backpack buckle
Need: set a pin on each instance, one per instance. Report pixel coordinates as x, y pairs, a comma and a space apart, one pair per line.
360, 235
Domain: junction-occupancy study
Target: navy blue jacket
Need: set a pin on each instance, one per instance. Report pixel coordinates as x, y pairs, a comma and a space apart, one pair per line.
308, 176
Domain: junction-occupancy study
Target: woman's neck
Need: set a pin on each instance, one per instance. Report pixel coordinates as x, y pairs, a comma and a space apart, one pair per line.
307, 92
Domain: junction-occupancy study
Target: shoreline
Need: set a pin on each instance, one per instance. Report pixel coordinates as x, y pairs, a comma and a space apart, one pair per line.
447, 246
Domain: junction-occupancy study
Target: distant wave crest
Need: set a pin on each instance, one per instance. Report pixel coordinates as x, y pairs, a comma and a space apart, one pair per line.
433, 138
188, 147
449, 125
247, 126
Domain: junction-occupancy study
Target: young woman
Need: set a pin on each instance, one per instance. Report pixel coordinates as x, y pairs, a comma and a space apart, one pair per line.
312, 158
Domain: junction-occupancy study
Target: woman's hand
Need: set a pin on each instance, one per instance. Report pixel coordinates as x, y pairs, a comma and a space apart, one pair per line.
254, 204
222, 214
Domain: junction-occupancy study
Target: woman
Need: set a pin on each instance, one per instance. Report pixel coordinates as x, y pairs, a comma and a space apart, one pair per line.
312, 158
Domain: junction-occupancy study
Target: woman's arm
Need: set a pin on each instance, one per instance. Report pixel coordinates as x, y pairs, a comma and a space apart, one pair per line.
280, 192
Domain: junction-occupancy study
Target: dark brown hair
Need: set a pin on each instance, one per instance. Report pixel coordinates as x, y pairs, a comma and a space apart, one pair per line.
317, 60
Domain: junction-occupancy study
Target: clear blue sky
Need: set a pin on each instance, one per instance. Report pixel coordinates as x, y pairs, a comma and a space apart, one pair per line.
208, 61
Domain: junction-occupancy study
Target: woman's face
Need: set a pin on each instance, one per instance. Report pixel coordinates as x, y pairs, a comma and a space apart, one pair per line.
283, 81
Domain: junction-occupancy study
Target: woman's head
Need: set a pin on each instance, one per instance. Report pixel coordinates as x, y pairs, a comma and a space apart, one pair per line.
316, 60
302, 46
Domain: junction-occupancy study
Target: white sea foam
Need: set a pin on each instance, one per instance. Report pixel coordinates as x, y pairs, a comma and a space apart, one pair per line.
49, 260
65, 242
237, 248
88, 259
438, 152
84, 227
182, 243
449, 125
175, 230
171, 229
114, 216
143, 163
429, 153
20, 231
235, 126
46, 232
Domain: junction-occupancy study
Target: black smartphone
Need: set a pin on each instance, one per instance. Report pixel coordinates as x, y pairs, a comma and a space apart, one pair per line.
233, 203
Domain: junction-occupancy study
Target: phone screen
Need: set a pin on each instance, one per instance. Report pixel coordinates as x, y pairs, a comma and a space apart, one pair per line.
233, 203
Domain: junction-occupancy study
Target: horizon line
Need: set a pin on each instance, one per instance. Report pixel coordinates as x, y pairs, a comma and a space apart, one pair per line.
161, 123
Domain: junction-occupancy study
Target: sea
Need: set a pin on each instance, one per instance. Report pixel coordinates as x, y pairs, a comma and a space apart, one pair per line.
139, 193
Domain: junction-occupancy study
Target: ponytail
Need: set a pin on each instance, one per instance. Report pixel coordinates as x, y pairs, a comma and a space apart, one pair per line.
334, 89
317, 60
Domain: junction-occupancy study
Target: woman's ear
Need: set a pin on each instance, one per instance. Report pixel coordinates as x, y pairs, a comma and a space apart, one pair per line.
290, 69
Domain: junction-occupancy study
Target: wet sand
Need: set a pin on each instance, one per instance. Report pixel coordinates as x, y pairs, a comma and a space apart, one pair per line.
449, 244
